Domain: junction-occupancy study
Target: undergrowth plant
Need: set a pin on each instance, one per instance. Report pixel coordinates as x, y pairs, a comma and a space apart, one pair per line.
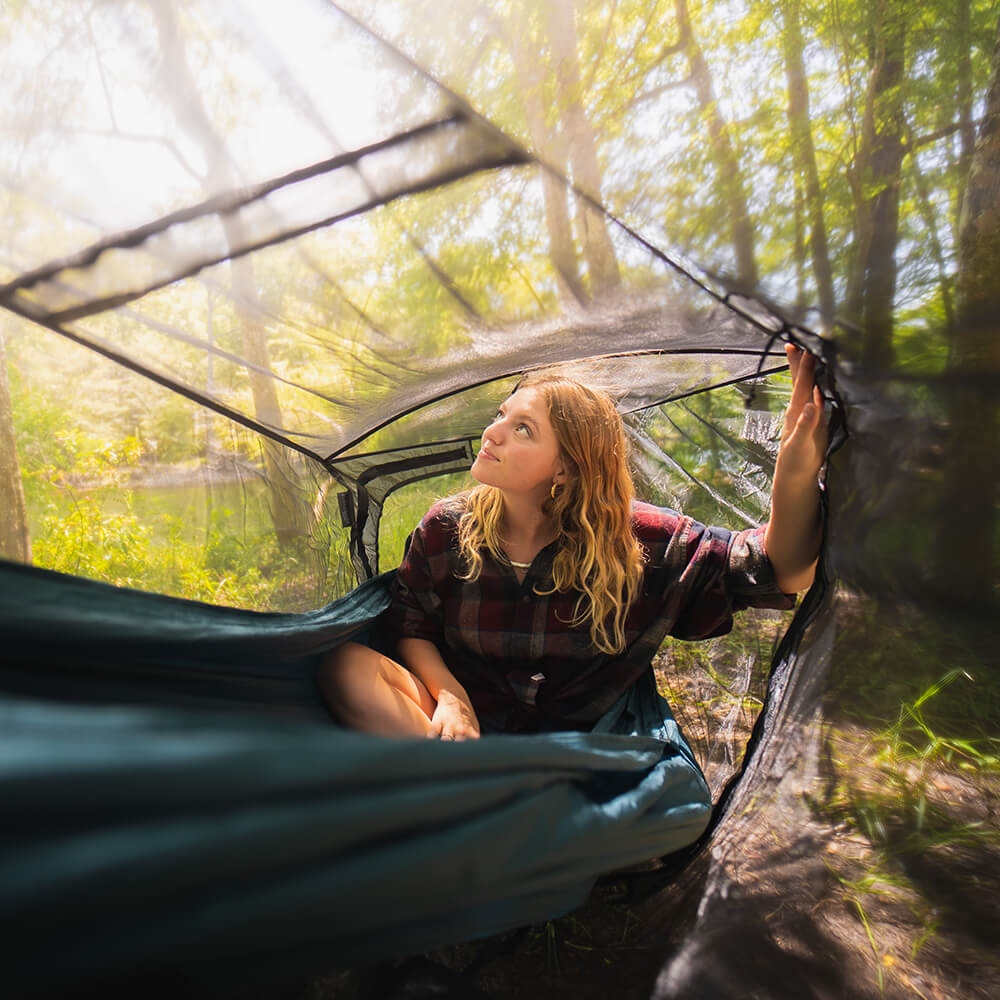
890, 783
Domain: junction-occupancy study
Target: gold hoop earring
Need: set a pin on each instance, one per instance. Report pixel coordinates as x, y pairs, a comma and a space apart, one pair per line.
552, 492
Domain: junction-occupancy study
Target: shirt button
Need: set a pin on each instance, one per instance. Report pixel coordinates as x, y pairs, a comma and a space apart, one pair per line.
525, 598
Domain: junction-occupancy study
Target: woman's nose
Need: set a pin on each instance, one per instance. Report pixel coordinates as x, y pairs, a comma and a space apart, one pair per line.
494, 432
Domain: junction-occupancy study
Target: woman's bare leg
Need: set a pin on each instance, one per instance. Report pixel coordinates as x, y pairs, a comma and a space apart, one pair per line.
369, 691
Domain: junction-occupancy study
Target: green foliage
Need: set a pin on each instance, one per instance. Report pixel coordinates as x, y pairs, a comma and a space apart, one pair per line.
404, 509
171, 432
247, 569
910, 764
911, 754
911, 738
352, 310
900, 810
906, 668
120, 549
90, 542
91, 514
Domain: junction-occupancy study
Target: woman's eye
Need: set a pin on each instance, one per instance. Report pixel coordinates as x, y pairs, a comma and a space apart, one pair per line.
523, 429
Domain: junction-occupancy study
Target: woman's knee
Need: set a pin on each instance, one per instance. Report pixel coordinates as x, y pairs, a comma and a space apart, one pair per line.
364, 689
346, 677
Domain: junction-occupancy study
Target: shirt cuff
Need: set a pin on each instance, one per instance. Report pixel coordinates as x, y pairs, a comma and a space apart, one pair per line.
750, 578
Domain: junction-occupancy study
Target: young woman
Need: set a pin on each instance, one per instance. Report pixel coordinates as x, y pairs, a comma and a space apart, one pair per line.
535, 600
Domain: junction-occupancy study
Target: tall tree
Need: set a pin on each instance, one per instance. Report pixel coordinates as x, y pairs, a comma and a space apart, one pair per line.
876, 177
804, 153
551, 146
15, 538
975, 364
963, 33
288, 510
602, 264
732, 186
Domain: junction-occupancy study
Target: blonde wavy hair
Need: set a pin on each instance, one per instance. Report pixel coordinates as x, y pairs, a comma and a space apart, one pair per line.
598, 554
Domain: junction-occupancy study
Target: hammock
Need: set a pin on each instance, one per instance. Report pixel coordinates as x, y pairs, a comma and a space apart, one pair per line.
216, 815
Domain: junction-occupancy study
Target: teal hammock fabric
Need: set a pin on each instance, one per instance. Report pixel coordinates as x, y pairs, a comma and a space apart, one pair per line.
175, 798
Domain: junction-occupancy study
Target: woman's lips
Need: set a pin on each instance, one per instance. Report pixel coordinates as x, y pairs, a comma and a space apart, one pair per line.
483, 453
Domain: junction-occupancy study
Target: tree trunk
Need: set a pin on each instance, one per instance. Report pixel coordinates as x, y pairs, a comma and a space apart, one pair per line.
856, 173
934, 247
551, 147
799, 256
598, 251
731, 186
15, 538
886, 164
979, 243
972, 468
289, 512
876, 176
805, 158
967, 130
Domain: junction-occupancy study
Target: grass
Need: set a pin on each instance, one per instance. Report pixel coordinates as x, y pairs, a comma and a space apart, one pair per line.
890, 781
162, 540
404, 508
911, 738
912, 763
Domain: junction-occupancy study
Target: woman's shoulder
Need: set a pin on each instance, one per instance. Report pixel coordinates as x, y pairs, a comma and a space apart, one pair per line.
443, 516
437, 532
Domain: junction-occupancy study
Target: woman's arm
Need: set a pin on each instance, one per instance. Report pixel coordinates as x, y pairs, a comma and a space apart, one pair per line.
794, 532
416, 617
454, 717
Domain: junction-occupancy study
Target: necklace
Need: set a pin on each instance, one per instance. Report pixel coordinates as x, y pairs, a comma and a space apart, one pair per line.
518, 565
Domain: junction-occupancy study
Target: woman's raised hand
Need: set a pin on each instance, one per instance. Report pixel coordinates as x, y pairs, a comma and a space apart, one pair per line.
805, 432
453, 719
794, 532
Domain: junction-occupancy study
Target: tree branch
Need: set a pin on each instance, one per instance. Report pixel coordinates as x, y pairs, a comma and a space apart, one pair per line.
917, 142
663, 88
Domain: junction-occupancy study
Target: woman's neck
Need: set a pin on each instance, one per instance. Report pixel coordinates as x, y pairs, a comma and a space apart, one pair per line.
525, 525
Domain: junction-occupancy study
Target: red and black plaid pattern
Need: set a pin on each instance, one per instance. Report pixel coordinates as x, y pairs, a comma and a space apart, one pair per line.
524, 667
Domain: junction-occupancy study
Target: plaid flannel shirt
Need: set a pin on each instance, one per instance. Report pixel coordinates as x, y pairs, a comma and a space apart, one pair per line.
525, 669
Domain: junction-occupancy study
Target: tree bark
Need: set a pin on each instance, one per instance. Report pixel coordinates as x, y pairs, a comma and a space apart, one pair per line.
972, 467
886, 163
731, 184
289, 511
598, 251
804, 154
15, 538
876, 176
967, 130
979, 241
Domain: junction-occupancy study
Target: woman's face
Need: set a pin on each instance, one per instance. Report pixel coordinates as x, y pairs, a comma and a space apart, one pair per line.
520, 452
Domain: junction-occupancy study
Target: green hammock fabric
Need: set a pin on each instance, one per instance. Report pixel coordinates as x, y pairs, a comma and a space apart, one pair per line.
160, 833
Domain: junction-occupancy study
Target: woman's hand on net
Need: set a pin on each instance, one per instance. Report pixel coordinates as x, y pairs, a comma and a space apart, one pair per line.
453, 719
804, 436
794, 531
